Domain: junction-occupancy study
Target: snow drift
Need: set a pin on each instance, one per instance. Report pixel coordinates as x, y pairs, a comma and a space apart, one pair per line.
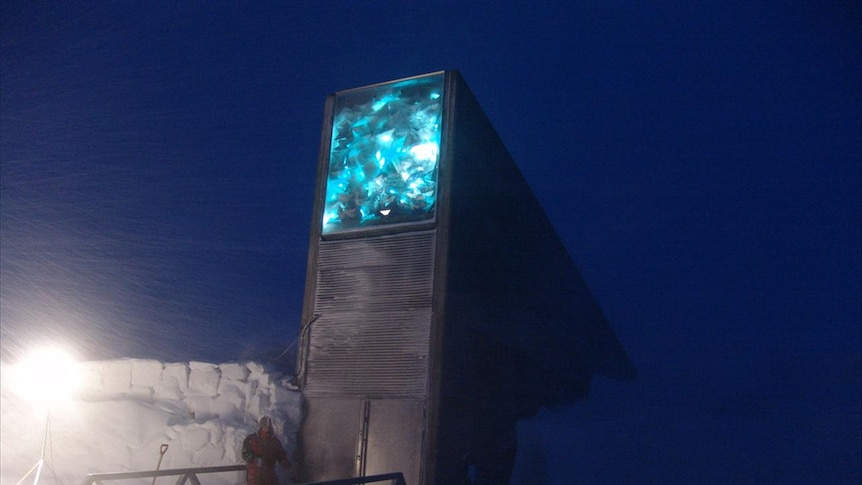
123, 411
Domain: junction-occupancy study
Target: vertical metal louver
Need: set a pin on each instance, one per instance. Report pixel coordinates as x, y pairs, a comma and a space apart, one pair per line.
373, 301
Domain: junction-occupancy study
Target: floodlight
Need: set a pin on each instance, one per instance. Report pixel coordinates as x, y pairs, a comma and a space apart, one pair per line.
46, 378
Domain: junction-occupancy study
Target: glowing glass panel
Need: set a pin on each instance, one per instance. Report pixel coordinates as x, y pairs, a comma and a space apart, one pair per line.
384, 155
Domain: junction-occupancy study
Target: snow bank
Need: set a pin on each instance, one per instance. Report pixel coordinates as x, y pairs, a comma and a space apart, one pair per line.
124, 410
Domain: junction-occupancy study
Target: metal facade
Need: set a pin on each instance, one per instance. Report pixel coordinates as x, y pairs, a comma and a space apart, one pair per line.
373, 299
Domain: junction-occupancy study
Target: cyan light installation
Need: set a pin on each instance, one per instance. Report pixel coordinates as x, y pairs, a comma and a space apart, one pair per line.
383, 155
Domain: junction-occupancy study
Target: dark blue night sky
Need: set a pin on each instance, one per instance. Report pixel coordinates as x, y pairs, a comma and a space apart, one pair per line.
700, 160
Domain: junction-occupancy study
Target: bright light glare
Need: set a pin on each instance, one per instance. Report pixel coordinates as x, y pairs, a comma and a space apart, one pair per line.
426, 152
46, 377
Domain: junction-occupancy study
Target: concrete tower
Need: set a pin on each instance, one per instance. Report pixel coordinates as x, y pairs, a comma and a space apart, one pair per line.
436, 290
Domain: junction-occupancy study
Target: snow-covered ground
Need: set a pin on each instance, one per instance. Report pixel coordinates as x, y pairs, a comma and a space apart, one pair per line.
123, 411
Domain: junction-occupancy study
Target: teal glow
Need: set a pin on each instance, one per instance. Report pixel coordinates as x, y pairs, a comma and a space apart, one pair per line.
384, 154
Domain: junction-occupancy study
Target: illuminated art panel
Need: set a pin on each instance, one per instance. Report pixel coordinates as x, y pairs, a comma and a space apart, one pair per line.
384, 155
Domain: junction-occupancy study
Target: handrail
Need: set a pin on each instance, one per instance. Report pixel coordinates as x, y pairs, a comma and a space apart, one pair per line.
184, 474
190, 474
397, 478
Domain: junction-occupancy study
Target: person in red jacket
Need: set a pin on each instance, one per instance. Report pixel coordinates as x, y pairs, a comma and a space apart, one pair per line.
261, 451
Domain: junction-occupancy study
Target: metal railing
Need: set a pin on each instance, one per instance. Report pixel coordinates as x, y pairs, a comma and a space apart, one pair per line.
191, 475
396, 478
183, 474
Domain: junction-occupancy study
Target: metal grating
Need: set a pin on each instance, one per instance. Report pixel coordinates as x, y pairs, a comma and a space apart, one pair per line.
373, 299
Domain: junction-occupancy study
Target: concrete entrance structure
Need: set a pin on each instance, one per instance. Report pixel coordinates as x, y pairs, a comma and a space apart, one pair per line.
440, 304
